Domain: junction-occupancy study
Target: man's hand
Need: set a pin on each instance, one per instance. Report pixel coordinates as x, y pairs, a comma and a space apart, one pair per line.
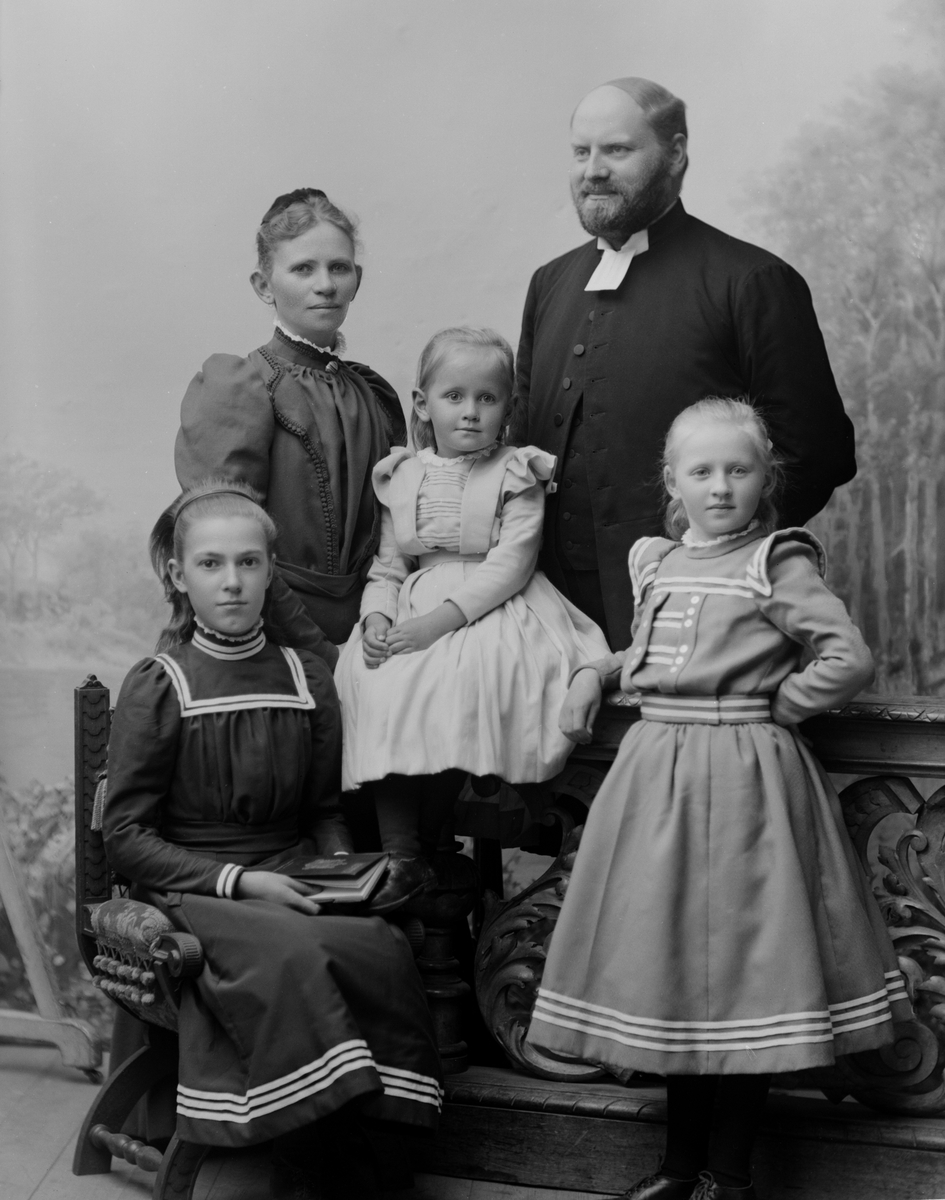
420, 632
374, 645
277, 889
581, 706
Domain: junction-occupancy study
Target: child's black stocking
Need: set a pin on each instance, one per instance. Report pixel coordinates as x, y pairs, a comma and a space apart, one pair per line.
689, 1105
412, 810
397, 799
740, 1103
436, 808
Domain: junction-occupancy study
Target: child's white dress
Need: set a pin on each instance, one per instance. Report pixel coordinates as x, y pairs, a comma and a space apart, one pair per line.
485, 698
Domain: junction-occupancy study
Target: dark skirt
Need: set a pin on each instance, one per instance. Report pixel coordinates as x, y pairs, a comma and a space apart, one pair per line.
295, 1016
292, 1018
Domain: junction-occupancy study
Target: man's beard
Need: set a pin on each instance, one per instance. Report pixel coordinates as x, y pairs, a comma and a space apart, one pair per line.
627, 210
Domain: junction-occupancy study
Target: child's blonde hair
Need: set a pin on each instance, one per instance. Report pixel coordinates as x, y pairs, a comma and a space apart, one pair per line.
434, 355
209, 498
741, 414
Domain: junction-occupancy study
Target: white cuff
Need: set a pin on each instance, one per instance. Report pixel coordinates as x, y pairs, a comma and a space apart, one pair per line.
226, 880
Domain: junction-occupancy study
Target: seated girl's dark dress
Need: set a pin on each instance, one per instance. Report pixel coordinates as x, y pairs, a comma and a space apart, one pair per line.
224, 754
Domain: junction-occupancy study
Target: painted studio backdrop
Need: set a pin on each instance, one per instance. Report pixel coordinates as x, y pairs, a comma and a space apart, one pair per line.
141, 144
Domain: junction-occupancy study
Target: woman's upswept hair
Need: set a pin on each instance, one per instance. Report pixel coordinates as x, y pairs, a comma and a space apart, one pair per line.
293, 214
435, 353
209, 498
741, 414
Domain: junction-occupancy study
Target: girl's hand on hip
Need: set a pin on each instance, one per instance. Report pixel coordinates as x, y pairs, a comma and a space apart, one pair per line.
277, 889
420, 632
581, 706
374, 645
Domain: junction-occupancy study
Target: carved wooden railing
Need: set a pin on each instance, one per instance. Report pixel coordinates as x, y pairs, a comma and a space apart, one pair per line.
899, 838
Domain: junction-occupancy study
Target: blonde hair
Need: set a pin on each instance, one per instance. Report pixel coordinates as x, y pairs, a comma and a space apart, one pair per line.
435, 353
743, 416
209, 498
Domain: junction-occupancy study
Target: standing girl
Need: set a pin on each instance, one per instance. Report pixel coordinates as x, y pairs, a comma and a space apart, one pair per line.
223, 758
463, 653
717, 927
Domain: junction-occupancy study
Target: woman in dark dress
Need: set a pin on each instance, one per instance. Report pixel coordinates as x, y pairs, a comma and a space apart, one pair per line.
300, 424
224, 761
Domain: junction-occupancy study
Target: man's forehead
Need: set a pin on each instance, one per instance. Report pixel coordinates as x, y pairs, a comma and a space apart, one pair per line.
608, 111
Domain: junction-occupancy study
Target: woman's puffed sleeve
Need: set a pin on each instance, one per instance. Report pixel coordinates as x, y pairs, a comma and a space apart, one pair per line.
142, 758
390, 567
387, 400
802, 606
226, 425
321, 817
511, 563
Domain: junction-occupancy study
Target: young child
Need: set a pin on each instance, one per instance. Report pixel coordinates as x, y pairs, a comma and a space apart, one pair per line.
717, 927
463, 653
223, 759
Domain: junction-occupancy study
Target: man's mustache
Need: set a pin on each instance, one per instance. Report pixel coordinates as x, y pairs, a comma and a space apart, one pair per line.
586, 190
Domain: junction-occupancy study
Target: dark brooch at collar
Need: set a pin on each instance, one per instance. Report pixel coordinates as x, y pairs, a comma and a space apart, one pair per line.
229, 649
324, 358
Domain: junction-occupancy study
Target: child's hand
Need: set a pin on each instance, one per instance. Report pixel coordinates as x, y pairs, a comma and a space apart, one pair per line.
420, 632
581, 706
374, 645
277, 889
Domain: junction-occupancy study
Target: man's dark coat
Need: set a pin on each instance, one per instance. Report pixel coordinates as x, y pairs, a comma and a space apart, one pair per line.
698, 314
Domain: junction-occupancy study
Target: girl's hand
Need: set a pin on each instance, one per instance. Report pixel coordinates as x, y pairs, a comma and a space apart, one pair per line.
420, 632
581, 706
374, 640
277, 889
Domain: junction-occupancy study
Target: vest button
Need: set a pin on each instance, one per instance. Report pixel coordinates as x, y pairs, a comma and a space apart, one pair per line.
591, 315
559, 420
579, 349
566, 516
566, 383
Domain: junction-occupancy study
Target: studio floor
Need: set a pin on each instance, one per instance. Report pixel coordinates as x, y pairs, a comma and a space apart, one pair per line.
42, 1105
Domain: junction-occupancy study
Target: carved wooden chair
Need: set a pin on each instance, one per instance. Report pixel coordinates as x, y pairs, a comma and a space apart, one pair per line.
138, 959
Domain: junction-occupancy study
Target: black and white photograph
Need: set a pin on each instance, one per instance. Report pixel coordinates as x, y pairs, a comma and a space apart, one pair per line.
472, 600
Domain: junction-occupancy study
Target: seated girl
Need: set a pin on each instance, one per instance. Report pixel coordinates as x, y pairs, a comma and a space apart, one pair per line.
461, 661
223, 761
300, 424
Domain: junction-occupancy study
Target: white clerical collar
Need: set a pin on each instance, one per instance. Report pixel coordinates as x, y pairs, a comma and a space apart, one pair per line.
614, 264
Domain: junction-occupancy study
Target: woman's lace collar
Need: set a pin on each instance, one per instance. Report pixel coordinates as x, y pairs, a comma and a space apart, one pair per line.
688, 540
225, 646
428, 454
340, 344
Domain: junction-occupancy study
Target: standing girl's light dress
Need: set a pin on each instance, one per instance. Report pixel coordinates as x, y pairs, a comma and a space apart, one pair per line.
484, 698
223, 756
717, 921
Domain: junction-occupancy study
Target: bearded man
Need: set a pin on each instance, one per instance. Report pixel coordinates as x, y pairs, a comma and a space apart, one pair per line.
660, 310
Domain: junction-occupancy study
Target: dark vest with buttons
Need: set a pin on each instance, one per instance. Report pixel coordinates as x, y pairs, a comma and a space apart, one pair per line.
627, 361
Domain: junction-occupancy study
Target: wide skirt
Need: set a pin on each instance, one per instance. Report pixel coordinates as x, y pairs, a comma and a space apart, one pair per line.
483, 699
295, 1016
717, 920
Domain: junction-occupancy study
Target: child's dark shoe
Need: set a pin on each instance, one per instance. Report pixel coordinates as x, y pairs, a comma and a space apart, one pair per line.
404, 878
710, 1189
661, 1187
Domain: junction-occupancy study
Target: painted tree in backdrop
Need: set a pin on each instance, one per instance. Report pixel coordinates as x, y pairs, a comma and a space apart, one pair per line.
858, 206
